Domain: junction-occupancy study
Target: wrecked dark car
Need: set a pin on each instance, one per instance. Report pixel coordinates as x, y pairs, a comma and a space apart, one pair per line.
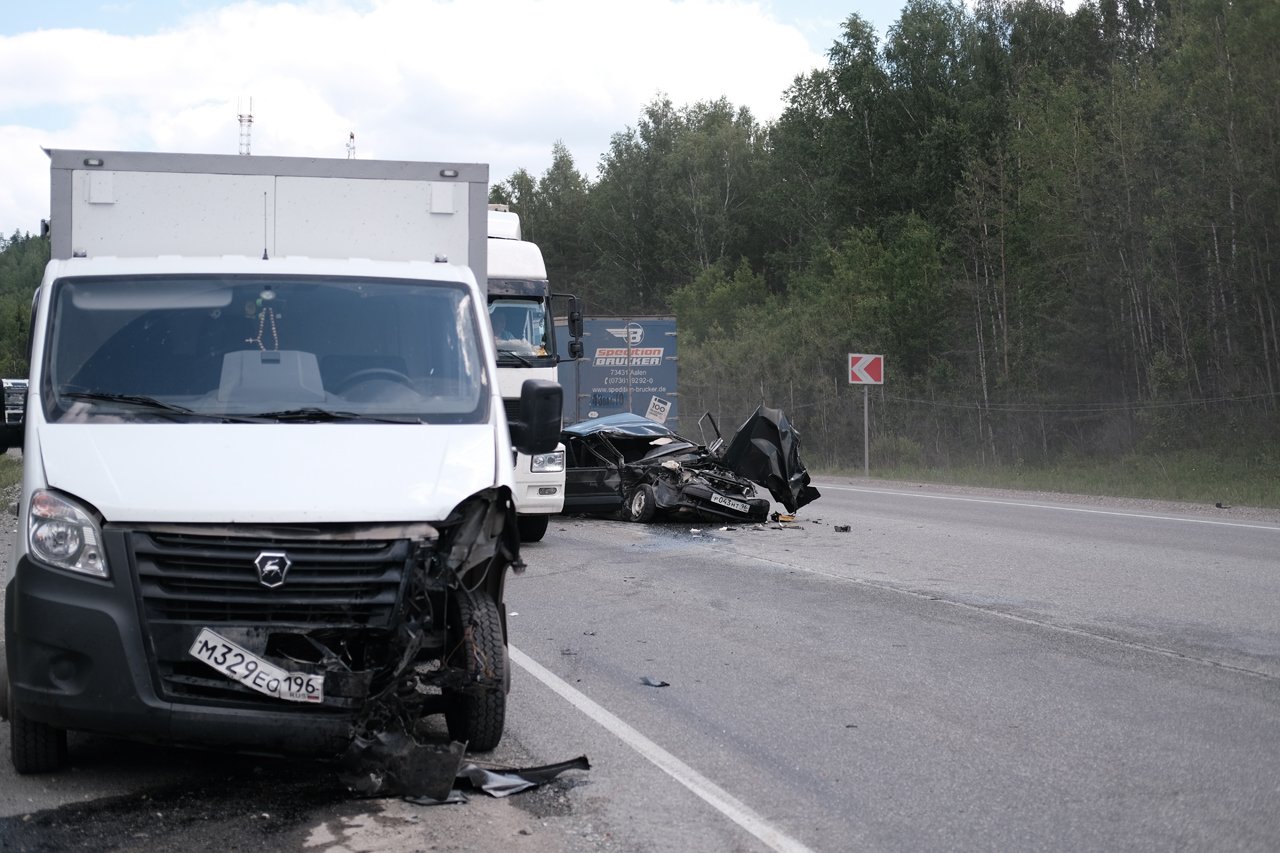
629, 466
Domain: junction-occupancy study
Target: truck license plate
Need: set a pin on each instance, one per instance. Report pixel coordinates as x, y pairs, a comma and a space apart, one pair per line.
242, 665
739, 506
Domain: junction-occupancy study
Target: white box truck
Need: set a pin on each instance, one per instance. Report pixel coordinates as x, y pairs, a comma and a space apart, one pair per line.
520, 309
267, 488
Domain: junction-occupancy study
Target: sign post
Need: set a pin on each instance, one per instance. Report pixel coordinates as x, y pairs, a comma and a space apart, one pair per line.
866, 370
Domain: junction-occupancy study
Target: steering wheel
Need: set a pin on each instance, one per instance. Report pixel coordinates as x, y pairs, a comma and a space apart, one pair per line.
374, 373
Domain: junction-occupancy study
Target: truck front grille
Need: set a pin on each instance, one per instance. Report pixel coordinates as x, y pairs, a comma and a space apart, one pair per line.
214, 579
188, 581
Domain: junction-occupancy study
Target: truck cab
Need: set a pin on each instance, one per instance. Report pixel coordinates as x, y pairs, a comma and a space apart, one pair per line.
520, 312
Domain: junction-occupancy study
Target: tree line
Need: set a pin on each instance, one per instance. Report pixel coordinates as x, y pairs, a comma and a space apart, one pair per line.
22, 261
1060, 229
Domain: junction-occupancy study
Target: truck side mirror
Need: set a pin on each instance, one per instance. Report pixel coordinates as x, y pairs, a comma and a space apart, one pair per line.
575, 349
541, 407
575, 324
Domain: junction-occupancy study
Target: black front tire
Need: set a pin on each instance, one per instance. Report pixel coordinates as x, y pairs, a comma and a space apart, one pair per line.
532, 527
477, 714
643, 505
35, 747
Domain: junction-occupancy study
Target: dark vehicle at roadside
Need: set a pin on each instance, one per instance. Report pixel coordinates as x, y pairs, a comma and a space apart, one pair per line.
636, 468
15, 404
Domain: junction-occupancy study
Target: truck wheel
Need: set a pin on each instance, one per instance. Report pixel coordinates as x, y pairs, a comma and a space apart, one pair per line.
475, 639
532, 527
642, 503
35, 747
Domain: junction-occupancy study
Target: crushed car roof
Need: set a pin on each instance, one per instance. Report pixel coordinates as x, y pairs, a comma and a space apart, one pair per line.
622, 424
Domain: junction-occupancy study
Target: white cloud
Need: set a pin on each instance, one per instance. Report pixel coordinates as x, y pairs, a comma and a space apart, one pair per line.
497, 82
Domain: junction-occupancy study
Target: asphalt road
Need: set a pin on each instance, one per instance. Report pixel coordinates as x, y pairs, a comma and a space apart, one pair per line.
960, 670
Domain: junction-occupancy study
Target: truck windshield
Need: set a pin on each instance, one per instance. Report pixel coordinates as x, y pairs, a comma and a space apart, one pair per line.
294, 348
520, 328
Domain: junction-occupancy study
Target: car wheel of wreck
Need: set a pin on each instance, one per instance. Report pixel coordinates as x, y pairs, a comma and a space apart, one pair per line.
642, 503
475, 714
35, 747
532, 527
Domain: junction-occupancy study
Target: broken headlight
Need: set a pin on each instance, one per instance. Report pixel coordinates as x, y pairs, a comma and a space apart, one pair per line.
62, 533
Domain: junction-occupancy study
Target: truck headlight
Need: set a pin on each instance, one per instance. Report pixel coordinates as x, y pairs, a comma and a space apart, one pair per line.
61, 533
547, 463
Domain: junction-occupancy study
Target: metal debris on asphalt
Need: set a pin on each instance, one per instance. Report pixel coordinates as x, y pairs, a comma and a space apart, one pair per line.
501, 781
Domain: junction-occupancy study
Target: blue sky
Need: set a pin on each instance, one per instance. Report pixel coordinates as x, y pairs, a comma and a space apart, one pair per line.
492, 81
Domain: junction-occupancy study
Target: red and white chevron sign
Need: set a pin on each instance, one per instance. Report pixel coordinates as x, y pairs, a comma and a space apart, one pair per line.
866, 369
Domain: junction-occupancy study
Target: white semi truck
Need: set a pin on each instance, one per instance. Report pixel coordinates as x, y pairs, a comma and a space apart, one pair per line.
267, 489
520, 308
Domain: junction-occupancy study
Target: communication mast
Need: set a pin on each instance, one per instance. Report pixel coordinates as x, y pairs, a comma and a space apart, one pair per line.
351, 146
246, 126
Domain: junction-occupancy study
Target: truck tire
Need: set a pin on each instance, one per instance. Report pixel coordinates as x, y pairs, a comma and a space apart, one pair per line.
477, 715
35, 747
642, 506
532, 527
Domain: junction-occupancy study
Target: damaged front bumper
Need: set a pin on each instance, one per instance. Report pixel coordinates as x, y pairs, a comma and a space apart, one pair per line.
363, 610
693, 496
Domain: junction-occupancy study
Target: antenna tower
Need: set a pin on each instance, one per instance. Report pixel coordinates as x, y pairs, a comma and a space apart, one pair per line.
246, 126
351, 146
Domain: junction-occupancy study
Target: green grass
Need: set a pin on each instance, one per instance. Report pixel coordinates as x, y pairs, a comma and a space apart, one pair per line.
10, 471
1192, 476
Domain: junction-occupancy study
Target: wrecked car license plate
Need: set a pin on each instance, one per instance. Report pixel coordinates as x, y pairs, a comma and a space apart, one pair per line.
737, 506
253, 672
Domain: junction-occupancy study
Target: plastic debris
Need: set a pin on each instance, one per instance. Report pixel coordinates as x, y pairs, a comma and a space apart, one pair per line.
455, 798
649, 681
843, 528
393, 764
501, 781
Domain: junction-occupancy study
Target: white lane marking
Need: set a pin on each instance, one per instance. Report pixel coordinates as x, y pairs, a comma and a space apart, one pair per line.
717, 797
1048, 506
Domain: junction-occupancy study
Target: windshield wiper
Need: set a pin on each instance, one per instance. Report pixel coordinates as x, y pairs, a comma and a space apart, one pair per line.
315, 414
132, 400
526, 362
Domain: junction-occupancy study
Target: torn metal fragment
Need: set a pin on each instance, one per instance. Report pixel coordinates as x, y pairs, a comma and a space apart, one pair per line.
766, 450
502, 782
